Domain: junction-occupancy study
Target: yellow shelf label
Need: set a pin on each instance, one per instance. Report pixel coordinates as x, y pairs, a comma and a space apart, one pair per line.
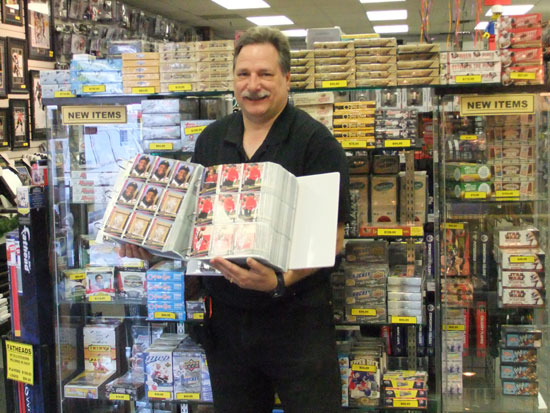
19, 360
451, 225
161, 146
51, 53
468, 79
25, 144
387, 232
117, 396
143, 90
523, 76
363, 311
468, 137
17, 17
63, 94
180, 87
194, 130
518, 259
405, 403
475, 195
198, 316
354, 144
417, 231
23, 86
159, 394
507, 194
358, 367
397, 143
334, 83
403, 320
165, 315
94, 88
188, 396
77, 277
5, 143
453, 327
100, 298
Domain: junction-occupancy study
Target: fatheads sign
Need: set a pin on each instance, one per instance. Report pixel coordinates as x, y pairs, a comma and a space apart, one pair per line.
89, 115
497, 105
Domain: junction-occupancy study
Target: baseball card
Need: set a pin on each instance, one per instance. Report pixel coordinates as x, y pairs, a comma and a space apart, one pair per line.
226, 208
162, 171
150, 197
130, 192
182, 175
138, 226
210, 180
205, 209
202, 237
171, 202
117, 220
142, 166
222, 240
252, 176
158, 234
230, 180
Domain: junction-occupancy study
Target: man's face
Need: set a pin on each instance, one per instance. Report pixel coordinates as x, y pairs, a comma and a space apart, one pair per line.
181, 174
99, 279
149, 196
161, 170
261, 88
142, 164
130, 189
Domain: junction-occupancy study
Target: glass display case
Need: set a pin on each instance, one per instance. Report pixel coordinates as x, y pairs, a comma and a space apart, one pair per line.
494, 252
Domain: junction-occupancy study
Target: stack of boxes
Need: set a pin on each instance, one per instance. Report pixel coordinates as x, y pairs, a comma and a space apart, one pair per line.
140, 72
165, 292
353, 123
519, 39
470, 67
162, 120
405, 389
319, 105
215, 65
302, 69
469, 180
454, 344
418, 64
396, 128
518, 358
365, 364
55, 83
375, 62
90, 75
366, 273
334, 64
359, 167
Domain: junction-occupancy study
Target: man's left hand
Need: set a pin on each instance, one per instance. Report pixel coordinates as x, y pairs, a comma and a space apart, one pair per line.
259, 277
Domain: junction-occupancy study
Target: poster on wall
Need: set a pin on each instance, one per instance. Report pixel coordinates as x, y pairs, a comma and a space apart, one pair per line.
17, 65
4, 129
19, 120
3, 69
12, 12
39, 29
38, 114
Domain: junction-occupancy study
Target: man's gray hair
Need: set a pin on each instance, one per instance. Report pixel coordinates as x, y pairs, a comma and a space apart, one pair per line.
260, 34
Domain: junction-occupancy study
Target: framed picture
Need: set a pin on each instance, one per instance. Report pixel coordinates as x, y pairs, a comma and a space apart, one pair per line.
39, 29
38, 114
19, 121
3, 69
17, 65
12, 12
4, 129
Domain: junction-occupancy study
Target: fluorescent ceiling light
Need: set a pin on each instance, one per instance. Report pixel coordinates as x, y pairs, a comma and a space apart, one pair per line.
375, 16
512, 10
379, 1
481, 26
242, 4
393, 28
270, 20
295, 33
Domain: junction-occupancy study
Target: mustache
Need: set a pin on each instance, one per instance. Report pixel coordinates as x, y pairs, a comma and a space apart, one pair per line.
255, 95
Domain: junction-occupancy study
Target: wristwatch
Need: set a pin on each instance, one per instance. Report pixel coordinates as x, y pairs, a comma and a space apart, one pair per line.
281, 287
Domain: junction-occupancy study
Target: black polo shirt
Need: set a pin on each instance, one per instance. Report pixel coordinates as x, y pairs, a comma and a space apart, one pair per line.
303, 146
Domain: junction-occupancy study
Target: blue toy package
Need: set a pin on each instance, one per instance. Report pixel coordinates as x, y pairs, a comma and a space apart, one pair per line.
166, 271
98, 65
165, 296
166, 287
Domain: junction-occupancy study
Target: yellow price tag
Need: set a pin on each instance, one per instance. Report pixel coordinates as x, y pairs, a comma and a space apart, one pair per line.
143, 90
17, 17
475, 195
161, 146
77, 277
100, 298
188, 396
23, 86
451, 225
417, 231
468, 137
25, 144
369, 369
518, 259
118, 396
51, 53
63, 94
468, 79
397, 143
371, 312
198, 316
19, 360
180, 87
94, 88
354, 144
194, 130
403, 320
405, 403
164, 315
523, 76
334, 83
4, 144
387, 232
453, 327
507, 194
159, 394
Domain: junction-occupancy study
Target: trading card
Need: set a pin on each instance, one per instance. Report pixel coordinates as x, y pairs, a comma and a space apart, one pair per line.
222, 243
99, 280
117, 220
138, 226
205, 209
202, 236
252, 176
209, 180
131, 284
158, 234
150, 197
182, 175
522, 356
171, 202
248, 239
142, 166
248, 207
231, 177
226, 207
162, 170
130, 192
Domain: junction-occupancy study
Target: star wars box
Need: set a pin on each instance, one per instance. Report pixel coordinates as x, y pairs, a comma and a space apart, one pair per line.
520, 279
521, 297
520, 259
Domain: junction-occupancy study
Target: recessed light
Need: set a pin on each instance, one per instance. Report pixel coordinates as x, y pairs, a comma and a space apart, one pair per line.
375, 16
481, 26
270, 20
295, 32
242, 4
512, 10
379, 1
392, 28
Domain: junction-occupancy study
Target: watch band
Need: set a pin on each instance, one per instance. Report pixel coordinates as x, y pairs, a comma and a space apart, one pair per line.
281, 287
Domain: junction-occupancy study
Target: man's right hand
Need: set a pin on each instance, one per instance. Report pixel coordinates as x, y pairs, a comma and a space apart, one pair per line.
133, 251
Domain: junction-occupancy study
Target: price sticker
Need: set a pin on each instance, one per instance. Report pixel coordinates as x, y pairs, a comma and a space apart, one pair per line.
63, 94
522, 259
453, 327
507, 194
334, 83
164, 315
19, 359
25, 144
100, 298
451, 225
77, 277
180, 87
17, 17
5, 143
523, 76
387, 232
468, 79
188, 396
397, 143
475, 195
417, 231
369, 369
468, 137
143, 90
161, 146
354, 144
159, 394
405, 403
403, 320
94, 88
118, 396
194, 130
371, 312
51, 53
23, 86
198, 316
